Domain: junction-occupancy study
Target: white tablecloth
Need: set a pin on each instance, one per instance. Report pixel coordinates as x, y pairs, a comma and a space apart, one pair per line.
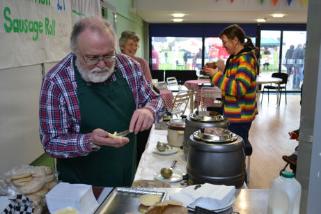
150, 163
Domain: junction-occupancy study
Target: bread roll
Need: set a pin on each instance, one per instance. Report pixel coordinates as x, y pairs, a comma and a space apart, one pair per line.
33, 186
21, 181
149, 200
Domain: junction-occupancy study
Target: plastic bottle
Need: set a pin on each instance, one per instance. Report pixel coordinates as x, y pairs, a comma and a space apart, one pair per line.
285, 195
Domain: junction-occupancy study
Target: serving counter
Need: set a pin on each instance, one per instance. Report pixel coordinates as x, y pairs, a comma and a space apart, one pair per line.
247, 200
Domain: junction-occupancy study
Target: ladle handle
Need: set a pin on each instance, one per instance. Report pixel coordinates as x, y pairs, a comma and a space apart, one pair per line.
173, 164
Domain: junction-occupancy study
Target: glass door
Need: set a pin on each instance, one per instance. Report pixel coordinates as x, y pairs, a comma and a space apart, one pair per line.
293, 58
270, 51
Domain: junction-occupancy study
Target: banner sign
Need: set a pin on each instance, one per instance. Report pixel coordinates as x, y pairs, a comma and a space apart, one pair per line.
34, 31
85, 8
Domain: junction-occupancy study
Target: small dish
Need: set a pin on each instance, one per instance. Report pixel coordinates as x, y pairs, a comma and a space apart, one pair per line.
219, 209
169, 151
176, 177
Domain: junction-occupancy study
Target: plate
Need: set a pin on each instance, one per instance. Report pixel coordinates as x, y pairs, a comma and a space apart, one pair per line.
222, 210
176, 177
170, 151
227, 207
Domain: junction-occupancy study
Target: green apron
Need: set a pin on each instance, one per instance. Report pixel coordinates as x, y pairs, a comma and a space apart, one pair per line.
109, 106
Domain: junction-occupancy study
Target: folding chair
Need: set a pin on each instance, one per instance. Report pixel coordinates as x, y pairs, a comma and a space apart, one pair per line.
171, 81
180, 103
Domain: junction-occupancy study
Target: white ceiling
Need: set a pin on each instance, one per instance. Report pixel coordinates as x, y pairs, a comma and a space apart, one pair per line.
219, 11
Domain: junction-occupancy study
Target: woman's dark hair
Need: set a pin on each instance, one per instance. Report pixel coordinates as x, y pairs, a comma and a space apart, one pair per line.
235, 30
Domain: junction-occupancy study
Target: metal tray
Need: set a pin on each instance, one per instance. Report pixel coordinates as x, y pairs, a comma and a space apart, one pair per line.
125, 200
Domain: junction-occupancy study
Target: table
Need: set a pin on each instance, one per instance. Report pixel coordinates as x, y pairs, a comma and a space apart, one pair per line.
150, 163
267, 79
177, 88
167, 97
196, 87
248, 201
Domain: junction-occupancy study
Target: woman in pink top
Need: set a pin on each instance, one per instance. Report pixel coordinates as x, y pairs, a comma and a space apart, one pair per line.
128, 43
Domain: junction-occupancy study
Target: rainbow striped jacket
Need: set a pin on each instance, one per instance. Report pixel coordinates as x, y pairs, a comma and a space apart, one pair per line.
238, 85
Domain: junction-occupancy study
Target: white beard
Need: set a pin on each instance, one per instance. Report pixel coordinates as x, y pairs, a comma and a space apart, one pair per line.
95, 75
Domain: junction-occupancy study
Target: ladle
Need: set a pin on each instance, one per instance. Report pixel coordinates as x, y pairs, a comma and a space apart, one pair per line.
168, 172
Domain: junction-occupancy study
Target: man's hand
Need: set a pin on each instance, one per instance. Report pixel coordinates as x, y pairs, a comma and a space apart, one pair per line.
142, 119
101, 137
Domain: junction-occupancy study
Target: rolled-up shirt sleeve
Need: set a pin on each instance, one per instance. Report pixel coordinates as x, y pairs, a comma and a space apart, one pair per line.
59, 125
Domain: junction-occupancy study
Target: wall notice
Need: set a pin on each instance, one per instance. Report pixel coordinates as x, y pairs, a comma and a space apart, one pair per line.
34, 31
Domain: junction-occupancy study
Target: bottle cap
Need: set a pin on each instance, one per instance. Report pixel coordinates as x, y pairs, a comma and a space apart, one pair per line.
287, 174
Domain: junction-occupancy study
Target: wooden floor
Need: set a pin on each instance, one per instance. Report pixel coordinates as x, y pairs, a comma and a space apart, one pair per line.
270, 140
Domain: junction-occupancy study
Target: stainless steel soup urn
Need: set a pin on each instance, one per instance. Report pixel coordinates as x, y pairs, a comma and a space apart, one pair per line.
198, 120
216, 156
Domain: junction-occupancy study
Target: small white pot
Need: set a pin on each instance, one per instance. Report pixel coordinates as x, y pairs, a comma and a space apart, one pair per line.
175, 136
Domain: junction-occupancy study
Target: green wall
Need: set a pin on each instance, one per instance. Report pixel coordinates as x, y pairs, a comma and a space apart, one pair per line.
126, 19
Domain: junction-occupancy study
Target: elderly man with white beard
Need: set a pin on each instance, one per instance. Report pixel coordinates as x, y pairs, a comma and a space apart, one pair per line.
90, 94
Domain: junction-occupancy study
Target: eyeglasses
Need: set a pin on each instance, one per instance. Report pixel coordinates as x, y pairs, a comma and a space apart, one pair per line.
94, 60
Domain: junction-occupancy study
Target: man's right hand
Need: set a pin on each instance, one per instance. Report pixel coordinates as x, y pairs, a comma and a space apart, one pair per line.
101, 137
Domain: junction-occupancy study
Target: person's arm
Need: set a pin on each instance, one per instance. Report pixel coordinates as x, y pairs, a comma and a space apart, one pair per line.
149, 104
238, 86
151, 100
58, 132
146, 70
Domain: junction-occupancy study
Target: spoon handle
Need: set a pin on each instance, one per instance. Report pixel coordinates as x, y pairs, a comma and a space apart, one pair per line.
173, 164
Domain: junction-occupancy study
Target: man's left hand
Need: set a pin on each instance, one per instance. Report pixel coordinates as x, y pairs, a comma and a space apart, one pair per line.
142, 119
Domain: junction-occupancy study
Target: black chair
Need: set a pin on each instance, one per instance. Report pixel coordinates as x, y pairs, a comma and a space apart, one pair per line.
158, 74
181, 75
278, 87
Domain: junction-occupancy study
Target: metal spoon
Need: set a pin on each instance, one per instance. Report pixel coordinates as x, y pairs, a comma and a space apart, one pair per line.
168, 172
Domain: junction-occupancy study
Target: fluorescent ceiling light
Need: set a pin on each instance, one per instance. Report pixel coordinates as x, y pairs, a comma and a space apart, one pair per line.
178, 15
177, 20
278, 15
261, 20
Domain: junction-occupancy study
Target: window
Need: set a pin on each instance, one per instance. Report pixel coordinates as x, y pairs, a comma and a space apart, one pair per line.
214, 50
177, 53
270, 51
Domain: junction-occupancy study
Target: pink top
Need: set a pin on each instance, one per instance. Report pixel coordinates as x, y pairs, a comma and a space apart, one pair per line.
155, 60
145, 68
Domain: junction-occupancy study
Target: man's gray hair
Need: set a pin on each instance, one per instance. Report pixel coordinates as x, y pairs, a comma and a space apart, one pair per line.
94, 24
